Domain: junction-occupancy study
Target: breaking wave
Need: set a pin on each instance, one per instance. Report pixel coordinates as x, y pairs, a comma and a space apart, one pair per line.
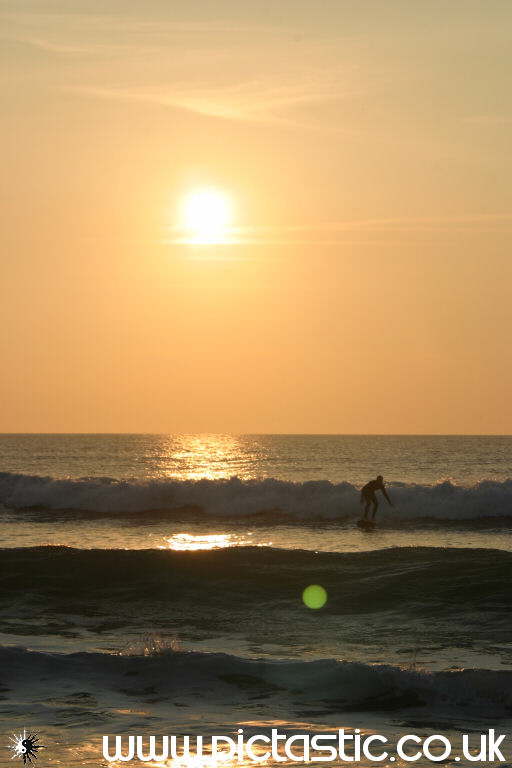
341, 685
235, 498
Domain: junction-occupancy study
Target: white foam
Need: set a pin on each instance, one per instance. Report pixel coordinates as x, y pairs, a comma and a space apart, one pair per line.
237, 498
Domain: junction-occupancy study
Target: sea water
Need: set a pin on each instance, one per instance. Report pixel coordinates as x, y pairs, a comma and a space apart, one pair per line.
154, 583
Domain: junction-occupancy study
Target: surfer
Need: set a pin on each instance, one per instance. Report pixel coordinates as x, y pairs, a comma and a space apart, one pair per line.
368, 496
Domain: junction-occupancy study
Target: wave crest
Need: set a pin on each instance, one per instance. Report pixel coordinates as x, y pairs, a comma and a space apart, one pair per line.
341, 684
234, 497
414, 580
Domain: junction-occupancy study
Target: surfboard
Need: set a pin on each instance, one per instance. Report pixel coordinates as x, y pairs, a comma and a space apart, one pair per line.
366, 525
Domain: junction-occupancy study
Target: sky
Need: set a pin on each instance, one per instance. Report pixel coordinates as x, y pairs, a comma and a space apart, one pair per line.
364, 149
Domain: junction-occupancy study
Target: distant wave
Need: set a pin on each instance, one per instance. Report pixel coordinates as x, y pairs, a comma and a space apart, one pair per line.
407, 580
235, 498
339, 685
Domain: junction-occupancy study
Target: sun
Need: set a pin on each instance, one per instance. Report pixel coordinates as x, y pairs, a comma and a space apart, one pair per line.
207, 216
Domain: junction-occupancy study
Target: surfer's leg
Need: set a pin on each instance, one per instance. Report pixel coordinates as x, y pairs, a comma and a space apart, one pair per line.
375, 505
366, 508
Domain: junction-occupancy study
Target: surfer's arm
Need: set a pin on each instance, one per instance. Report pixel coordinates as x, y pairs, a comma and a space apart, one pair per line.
385, 493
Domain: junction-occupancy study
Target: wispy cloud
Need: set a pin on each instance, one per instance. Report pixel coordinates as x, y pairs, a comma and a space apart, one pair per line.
50, 46
489, 119
358, 231
80, 23
219, 68
248, 101
470, 221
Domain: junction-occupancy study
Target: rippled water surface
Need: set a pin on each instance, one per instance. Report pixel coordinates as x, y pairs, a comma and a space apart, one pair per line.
351, 458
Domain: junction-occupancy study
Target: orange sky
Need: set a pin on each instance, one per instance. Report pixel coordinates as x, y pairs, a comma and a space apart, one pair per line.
366, 149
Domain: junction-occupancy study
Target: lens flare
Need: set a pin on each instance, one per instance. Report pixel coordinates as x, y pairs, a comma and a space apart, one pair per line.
314, 596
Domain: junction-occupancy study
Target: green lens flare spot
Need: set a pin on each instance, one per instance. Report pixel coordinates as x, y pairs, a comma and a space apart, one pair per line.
314, 596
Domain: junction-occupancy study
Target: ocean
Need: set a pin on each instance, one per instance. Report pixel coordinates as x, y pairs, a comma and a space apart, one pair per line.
153, 584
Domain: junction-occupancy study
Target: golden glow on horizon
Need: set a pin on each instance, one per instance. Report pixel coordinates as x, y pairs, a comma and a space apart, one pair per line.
207, 217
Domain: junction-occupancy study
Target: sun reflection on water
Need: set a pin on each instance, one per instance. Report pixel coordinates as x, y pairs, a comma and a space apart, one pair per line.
196, 761
219, 760
189, 542
210, 457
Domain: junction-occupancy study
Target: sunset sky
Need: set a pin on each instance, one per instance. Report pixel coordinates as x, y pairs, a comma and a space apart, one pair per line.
360, 151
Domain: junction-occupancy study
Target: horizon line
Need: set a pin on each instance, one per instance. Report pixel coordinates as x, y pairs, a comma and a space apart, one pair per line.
263, 434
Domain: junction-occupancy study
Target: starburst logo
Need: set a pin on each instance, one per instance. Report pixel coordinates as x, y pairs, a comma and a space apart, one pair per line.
25, 746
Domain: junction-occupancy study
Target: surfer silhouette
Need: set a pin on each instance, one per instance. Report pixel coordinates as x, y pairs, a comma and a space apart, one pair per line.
369, 498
